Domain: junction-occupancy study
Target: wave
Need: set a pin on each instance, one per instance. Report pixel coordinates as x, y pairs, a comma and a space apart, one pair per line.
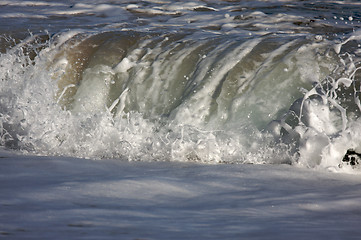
184, 96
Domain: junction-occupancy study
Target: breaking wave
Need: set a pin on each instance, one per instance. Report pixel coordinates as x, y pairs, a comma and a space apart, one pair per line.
184, 95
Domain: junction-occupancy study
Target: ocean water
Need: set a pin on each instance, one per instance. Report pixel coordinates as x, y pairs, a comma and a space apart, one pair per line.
205, 81
72, 198
162, 119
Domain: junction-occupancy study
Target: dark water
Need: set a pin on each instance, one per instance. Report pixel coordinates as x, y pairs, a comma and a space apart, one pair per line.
209, 81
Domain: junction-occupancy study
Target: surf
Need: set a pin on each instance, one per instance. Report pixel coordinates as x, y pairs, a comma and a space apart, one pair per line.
189, 95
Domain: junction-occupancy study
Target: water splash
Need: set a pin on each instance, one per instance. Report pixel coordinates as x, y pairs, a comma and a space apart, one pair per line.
157, 98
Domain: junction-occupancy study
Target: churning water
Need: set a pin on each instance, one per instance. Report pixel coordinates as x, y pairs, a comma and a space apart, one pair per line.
161, 80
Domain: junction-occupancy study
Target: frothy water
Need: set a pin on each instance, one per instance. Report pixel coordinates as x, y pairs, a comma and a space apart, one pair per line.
214, 82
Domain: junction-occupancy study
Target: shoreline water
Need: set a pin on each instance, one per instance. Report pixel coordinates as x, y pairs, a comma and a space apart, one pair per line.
55, 197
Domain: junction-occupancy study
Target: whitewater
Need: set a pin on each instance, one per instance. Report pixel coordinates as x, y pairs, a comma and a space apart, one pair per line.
172, 120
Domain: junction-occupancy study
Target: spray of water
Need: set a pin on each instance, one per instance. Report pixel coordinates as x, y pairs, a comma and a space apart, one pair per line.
160, 99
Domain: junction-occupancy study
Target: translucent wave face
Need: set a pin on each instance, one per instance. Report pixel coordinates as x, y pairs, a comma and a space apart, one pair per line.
189, 95
34, 118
